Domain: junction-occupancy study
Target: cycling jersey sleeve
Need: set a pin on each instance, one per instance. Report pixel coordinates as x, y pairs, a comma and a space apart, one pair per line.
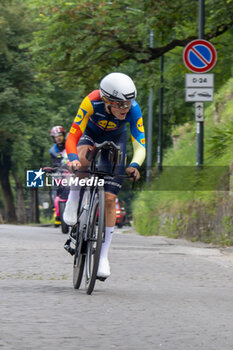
78, 127
137, 136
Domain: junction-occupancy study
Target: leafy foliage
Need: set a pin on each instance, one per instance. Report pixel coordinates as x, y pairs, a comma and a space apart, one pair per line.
28, 108
53, 53
186, 209
221, 139
80, 42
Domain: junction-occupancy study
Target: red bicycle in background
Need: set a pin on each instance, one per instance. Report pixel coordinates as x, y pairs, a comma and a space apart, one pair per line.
60, 195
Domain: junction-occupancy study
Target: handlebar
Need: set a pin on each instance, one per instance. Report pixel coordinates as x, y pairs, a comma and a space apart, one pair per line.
51, 170
115, 155
48, 169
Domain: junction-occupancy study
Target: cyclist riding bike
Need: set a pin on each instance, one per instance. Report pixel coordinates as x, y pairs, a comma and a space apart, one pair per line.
58, 157
102, 116
57, 151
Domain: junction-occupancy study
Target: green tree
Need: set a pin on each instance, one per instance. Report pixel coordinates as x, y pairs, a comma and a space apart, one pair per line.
80, 42
28, 109
15, 83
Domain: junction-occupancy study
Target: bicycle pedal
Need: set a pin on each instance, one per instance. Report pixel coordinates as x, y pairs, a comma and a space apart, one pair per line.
70, 250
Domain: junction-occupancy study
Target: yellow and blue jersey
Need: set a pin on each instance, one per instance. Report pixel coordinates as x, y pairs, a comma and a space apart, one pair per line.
93, 117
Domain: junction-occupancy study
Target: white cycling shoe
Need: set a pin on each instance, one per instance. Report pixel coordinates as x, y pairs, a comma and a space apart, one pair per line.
70, 213
104, 268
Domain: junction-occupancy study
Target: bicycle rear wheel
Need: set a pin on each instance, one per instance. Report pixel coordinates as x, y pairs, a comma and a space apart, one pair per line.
95, 238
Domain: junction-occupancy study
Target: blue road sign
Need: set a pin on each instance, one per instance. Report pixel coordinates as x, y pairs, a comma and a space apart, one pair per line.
199, 56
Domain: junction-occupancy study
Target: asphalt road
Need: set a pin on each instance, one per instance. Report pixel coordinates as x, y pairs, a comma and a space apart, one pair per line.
162, 294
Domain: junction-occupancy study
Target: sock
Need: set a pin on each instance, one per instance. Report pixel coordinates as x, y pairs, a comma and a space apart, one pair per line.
70, 212
74, 194
106, 244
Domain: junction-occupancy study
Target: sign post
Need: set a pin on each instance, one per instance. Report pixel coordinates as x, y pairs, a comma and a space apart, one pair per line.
150, 125
199, 57
199, 111
200, 125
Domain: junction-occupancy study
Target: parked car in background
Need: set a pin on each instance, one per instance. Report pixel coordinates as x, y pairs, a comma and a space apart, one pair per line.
120, 214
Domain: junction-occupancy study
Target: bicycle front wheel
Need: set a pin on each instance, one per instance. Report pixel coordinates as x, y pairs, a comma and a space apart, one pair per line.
95, 238
79, 261
80, 247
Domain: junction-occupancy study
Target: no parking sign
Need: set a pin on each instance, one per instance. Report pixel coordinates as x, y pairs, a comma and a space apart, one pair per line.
199, 56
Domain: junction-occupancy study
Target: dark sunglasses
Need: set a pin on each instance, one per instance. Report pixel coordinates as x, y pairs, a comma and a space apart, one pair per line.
120, 104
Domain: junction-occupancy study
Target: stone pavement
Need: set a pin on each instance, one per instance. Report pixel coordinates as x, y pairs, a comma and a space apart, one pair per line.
162, 294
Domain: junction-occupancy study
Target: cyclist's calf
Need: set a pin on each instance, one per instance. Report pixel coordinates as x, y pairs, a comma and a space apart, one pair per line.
110, 209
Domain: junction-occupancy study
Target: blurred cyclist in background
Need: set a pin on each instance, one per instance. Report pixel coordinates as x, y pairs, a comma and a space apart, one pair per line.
57, 151
58, 158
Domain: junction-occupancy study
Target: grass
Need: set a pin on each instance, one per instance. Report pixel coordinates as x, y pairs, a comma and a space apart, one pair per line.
184, 202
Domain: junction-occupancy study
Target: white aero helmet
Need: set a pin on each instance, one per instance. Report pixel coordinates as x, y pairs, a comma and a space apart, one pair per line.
117, 87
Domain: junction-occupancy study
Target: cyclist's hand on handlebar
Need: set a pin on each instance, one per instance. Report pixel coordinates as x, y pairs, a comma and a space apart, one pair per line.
74, 165
133, 173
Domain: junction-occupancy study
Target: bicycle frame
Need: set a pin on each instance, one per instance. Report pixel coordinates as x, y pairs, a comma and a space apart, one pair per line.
87, 230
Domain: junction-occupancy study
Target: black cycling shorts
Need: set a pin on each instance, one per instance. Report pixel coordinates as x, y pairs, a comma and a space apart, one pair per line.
112, 184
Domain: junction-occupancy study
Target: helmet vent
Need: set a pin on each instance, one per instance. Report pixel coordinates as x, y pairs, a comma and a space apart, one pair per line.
129, 96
